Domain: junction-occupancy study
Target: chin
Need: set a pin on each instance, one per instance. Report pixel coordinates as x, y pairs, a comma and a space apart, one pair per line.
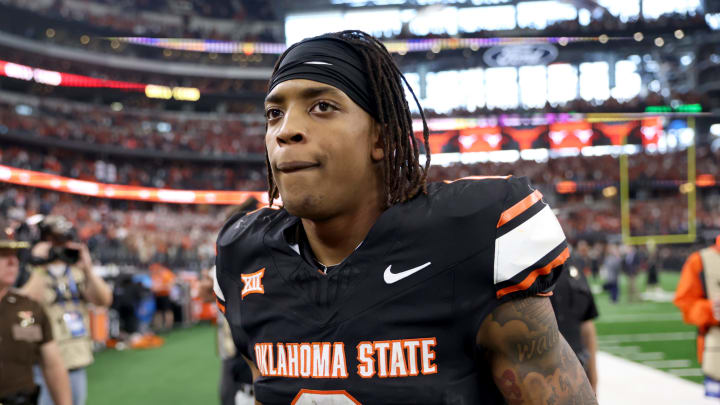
304, 206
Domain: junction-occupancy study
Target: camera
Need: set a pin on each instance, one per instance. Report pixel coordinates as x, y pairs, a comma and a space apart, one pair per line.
65, 254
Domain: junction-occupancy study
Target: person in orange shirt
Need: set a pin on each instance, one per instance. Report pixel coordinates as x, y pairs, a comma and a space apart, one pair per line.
698, 297
162, 282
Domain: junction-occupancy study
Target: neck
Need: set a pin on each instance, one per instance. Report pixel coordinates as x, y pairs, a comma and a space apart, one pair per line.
3, 290
334, 239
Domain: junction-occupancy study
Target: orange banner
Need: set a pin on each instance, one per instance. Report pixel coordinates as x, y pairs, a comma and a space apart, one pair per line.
121, 192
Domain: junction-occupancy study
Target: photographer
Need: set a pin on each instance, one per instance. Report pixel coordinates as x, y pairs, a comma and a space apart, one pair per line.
63, 281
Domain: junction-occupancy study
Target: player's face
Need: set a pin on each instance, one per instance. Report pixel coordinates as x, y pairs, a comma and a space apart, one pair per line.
323, 149
8, 267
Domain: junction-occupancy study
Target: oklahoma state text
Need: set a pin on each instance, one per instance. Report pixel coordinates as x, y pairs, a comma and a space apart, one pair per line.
381, 358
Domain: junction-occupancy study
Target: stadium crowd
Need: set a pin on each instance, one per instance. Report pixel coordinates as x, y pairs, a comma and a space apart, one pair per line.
126, 233
229, 136
146, 17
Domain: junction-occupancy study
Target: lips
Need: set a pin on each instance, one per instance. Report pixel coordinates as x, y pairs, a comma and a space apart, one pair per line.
295, 166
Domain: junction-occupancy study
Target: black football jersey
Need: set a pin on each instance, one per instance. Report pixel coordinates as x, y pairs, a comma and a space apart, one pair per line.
396, 321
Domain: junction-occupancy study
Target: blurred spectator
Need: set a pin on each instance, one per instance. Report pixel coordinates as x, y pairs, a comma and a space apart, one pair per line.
698, 297
610, 271
162, 283
631, 267
65, 283
575, 310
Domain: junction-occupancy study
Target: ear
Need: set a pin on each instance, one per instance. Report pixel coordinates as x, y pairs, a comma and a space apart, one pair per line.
377, 152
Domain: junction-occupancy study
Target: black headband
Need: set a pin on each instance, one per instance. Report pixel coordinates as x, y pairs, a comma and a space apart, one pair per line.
331, 61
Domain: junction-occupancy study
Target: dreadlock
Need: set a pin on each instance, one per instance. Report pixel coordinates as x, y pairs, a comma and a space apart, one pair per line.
404, 177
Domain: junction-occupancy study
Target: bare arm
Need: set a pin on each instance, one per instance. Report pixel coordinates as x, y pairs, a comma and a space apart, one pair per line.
589, 340
255, 372
55, 373
531, 362
96, 291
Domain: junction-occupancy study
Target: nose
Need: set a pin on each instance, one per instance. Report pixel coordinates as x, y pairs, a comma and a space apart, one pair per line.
292, 129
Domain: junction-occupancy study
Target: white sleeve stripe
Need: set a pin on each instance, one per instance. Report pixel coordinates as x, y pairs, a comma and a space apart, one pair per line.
529, 242
216, 285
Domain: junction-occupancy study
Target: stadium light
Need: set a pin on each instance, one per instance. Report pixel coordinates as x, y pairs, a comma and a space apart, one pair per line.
609, 192
161, 92
715, 129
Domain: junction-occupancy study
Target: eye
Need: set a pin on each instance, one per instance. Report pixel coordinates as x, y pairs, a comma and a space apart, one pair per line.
323, 107
272, 113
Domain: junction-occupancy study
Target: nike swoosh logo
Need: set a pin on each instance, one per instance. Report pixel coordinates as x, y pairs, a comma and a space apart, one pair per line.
391, 277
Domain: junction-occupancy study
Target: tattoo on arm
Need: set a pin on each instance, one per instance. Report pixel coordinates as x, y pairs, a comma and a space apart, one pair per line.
531, 362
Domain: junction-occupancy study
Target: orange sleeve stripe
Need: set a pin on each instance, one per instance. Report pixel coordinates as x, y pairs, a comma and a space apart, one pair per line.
221, 306
525, 284
519, 208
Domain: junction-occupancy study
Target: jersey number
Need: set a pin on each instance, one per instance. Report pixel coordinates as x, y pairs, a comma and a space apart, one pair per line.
317, 397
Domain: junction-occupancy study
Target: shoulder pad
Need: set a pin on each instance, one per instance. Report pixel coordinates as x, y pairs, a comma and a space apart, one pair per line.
242, 223
469, 195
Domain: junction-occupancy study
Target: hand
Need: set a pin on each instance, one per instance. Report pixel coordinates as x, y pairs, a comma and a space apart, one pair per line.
85, 261
716, 309
41, 250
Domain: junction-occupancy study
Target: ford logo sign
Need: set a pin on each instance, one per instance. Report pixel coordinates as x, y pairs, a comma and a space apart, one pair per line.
520, 55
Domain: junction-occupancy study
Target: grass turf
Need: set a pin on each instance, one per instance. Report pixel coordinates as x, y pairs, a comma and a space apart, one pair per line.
675, 340
185, 370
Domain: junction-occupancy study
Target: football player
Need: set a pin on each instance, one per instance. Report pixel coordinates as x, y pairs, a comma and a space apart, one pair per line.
370, 286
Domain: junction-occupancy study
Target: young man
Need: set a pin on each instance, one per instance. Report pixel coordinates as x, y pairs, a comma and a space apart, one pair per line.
25, 337
370, 286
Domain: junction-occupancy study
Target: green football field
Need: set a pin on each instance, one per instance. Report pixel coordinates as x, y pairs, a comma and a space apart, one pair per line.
185, 370
649, 332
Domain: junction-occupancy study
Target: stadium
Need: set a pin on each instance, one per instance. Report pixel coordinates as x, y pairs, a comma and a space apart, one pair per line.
133, 130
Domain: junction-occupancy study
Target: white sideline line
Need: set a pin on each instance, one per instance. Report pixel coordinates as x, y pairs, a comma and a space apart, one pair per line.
686, 372
634, 318
621, 350
646, 337
623, 382
667, 363
645, 356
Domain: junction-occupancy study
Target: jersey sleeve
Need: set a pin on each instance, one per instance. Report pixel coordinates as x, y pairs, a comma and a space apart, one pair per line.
44, 322
219, 296
530, 245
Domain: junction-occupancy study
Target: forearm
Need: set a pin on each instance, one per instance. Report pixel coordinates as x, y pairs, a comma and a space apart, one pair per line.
557, 379
56, 375
589, 341
58, 383
531, 362
97, 290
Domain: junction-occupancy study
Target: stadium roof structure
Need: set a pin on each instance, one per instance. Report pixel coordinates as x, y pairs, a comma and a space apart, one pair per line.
309, 5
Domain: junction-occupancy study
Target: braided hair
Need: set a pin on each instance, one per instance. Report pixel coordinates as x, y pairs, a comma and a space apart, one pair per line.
404, 177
